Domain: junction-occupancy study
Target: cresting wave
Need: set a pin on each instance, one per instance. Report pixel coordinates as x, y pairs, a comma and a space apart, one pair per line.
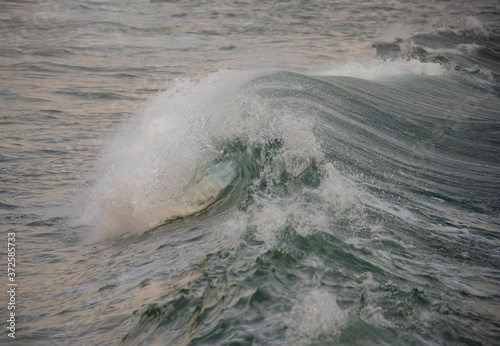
163, 164
201, 140
182, 151
197, 139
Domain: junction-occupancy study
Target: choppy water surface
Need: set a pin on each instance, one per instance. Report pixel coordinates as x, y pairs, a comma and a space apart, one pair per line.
285, 173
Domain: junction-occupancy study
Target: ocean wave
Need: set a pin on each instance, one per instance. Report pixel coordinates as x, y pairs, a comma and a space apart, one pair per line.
251, 141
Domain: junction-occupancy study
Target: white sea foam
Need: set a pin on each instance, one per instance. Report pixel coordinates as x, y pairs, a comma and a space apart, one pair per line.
471, 28
309, 211
378, 68
461, 49
315, 318
372, 314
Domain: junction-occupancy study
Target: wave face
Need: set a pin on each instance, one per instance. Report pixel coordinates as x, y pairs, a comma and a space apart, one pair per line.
326, 200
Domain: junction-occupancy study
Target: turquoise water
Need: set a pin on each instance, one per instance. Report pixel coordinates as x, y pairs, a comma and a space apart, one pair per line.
269, 173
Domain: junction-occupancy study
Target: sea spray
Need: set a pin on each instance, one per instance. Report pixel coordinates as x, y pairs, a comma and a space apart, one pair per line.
155, 163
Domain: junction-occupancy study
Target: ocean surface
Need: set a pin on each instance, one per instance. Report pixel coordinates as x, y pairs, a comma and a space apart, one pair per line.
251, 172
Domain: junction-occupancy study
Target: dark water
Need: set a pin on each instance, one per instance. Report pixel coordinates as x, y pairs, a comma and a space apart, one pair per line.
239, 173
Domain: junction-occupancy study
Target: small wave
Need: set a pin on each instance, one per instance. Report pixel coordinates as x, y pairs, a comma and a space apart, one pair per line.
455, 47
380, 68
472, 28
6, 206
53, 52
10, 52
